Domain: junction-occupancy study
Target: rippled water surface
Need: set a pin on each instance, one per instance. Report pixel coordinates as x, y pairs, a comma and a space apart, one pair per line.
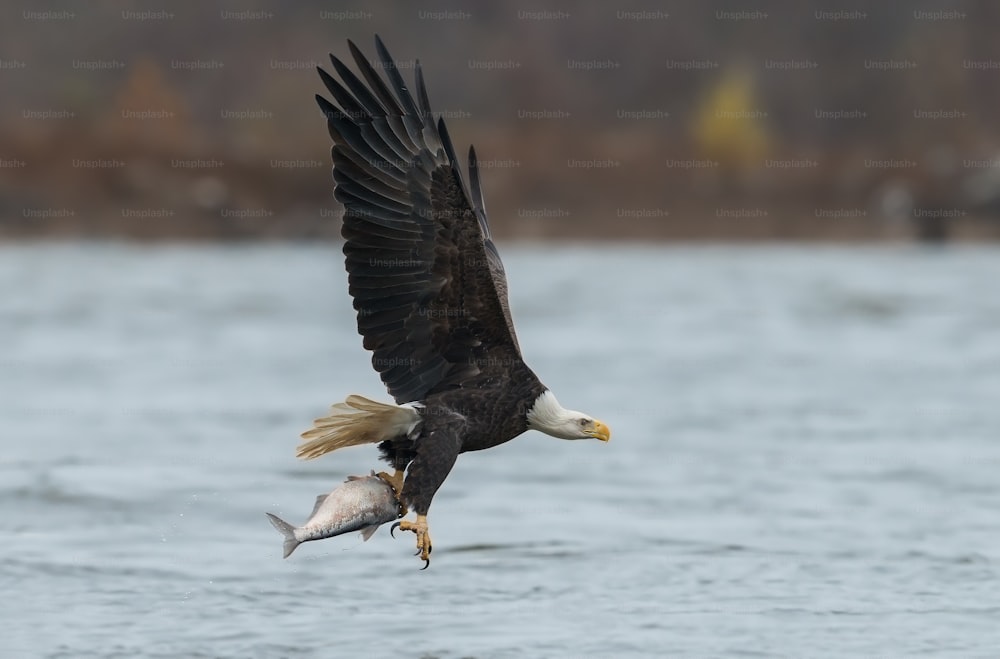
805, 461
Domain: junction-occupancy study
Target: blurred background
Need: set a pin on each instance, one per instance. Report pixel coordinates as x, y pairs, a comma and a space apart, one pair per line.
804, 403
656, 120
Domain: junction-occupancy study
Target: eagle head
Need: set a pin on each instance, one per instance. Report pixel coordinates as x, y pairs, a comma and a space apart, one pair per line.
548, 416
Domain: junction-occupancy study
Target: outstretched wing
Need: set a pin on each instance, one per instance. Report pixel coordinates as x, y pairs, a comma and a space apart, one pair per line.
427, 282
492, 255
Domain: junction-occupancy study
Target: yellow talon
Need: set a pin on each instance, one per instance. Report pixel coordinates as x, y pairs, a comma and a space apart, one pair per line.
396, 482
423, 537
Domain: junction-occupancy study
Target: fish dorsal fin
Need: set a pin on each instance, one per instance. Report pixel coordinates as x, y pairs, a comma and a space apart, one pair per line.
368, 532
353, 478
319, 502
359, 478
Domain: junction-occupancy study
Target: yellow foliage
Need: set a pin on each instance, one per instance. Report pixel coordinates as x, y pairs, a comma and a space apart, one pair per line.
729, 125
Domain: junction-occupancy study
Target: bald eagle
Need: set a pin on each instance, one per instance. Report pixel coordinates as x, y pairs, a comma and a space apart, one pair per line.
430, 295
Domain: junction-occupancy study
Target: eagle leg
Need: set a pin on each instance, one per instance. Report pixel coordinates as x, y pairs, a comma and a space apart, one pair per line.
396, 482
423, 537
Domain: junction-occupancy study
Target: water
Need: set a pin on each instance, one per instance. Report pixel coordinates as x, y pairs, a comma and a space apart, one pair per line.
805, 460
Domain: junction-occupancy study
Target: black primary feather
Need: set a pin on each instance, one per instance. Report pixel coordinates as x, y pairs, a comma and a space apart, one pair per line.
410, 215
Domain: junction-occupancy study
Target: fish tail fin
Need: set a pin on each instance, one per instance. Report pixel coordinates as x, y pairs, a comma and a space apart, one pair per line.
287, 530
358, 420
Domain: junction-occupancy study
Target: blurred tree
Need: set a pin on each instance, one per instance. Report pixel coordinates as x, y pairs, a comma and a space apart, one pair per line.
147, 112
729, 128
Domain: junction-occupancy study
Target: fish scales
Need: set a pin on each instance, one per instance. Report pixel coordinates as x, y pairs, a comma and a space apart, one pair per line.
361, 503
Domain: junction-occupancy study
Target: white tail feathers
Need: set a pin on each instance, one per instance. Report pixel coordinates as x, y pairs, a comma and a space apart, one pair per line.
358, 420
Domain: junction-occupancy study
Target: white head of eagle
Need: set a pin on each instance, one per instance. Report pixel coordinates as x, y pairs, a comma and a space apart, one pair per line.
548, 416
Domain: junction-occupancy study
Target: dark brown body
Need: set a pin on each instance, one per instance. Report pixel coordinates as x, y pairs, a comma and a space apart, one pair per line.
488, 412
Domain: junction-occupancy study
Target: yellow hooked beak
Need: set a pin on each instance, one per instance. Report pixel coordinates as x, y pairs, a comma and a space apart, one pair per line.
600, 431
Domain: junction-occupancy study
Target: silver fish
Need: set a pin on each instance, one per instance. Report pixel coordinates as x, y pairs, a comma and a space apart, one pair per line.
362, 503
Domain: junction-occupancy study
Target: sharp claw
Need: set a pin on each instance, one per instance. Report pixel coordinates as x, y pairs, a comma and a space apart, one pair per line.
423, 538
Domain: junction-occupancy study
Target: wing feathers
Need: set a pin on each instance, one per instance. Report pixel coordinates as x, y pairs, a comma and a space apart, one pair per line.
349, 165
478, 203
361, 93
350, 106
374, 81
416, 239
395, 78
425, 104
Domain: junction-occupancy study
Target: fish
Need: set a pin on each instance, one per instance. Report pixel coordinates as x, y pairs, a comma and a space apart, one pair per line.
361, 503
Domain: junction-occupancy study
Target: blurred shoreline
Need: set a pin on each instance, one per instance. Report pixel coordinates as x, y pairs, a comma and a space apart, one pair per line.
103, 183
687, 122
774, 228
